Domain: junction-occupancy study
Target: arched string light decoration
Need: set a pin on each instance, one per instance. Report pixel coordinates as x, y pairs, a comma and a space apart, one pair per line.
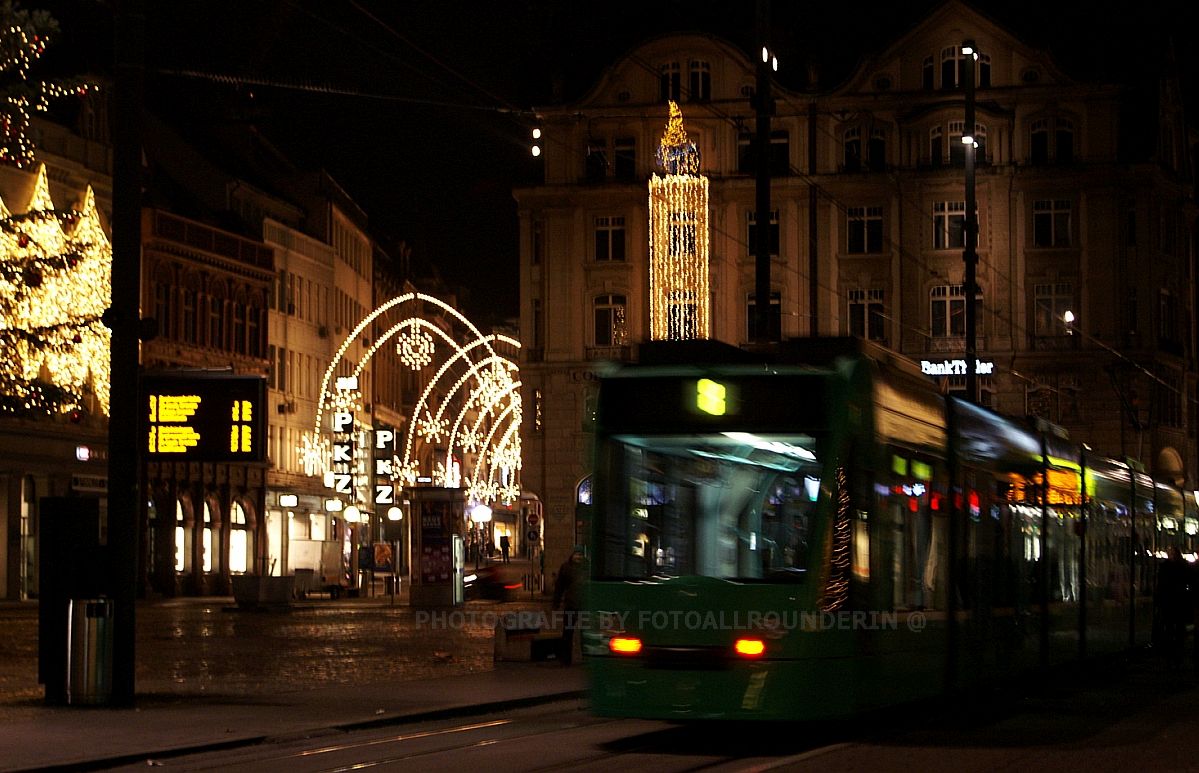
468, 412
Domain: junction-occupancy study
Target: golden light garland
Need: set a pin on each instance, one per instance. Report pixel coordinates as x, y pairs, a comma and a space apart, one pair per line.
23, 42
678, 240
55, 284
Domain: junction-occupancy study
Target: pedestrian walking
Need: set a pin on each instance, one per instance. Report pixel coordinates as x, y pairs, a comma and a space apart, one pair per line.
568, 596
504, 546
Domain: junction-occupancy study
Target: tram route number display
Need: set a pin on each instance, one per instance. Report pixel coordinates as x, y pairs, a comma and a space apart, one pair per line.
204, 418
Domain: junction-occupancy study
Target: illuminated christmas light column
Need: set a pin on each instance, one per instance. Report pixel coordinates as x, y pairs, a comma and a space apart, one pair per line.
679, 306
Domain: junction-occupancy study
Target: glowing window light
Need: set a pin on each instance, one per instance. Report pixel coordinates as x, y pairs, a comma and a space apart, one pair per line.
625, 645
679, 242
710, 396
749, 648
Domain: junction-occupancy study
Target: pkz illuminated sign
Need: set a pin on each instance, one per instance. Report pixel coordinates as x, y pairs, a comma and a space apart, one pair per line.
205, 417
955, 367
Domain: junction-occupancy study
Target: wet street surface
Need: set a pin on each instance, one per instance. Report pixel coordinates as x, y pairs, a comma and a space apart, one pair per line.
1135, 715
195, 648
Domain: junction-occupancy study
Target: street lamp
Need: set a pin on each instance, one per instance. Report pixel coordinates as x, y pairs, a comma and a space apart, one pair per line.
1068, 318
970, 235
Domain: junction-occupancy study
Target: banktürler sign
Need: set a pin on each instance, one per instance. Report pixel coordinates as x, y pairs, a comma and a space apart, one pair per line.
955, 367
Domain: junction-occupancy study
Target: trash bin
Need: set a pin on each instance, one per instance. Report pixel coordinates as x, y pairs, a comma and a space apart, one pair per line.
89, 651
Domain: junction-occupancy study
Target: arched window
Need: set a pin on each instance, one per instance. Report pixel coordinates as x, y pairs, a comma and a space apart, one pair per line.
191, 325
936, 146
254, 326
876, 153
957, 151
241, 541
1051, 140
182, 540
951, 67
206, 544
163, 307
670, 83
852, 139
980, 144
700, 80
216, 317
239, 324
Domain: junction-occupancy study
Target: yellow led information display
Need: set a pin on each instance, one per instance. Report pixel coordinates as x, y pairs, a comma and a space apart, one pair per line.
710, 396
204, 417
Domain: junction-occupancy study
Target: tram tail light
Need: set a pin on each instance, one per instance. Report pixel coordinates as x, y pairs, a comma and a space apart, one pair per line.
749, 648
625, 645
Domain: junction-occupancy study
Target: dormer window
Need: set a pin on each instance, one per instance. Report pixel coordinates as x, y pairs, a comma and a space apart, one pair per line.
951, 67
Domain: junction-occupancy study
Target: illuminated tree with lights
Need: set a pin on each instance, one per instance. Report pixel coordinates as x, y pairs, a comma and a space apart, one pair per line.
55, 265
55, 283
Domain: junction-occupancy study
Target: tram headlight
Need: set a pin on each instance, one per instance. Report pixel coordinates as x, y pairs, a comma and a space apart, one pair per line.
749, 648
624, 645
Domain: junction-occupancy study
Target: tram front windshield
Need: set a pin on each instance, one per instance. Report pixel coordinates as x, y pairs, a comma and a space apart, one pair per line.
729, 505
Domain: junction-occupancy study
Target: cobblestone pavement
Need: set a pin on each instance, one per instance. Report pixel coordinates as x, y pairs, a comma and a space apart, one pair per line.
207, 647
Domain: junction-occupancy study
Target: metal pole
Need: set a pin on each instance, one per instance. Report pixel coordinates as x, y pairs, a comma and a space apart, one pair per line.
813, 239
764, 105
1082, 557
123, 320
955, 490
970, 235
1043, 575
1132, 553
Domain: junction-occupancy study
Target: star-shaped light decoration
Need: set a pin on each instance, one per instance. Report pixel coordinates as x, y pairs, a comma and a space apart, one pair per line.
432, 428
415, 347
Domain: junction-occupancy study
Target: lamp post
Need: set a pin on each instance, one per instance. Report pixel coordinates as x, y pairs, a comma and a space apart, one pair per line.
970, 235
767, 64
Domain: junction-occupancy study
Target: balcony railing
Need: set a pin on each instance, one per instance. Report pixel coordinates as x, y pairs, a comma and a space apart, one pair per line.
616, 353
1053, 343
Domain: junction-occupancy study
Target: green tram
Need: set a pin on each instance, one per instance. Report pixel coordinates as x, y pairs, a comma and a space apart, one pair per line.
821, 532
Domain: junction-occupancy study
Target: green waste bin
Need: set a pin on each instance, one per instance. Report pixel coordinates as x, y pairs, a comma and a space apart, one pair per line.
89, 651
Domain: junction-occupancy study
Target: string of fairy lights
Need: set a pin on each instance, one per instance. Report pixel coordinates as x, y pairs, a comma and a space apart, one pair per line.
55, 264
23, 43
836, 586
678, 239
55, 284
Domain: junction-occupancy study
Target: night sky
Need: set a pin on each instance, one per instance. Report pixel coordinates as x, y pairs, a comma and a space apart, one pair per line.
421, 109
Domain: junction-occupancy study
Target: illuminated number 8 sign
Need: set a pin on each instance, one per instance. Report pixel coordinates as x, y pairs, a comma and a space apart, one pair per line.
241, 433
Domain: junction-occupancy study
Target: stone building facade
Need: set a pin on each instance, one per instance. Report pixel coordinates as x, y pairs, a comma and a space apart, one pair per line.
1085, 200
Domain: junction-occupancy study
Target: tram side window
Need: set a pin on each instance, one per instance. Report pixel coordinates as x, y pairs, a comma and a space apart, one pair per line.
918, 540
